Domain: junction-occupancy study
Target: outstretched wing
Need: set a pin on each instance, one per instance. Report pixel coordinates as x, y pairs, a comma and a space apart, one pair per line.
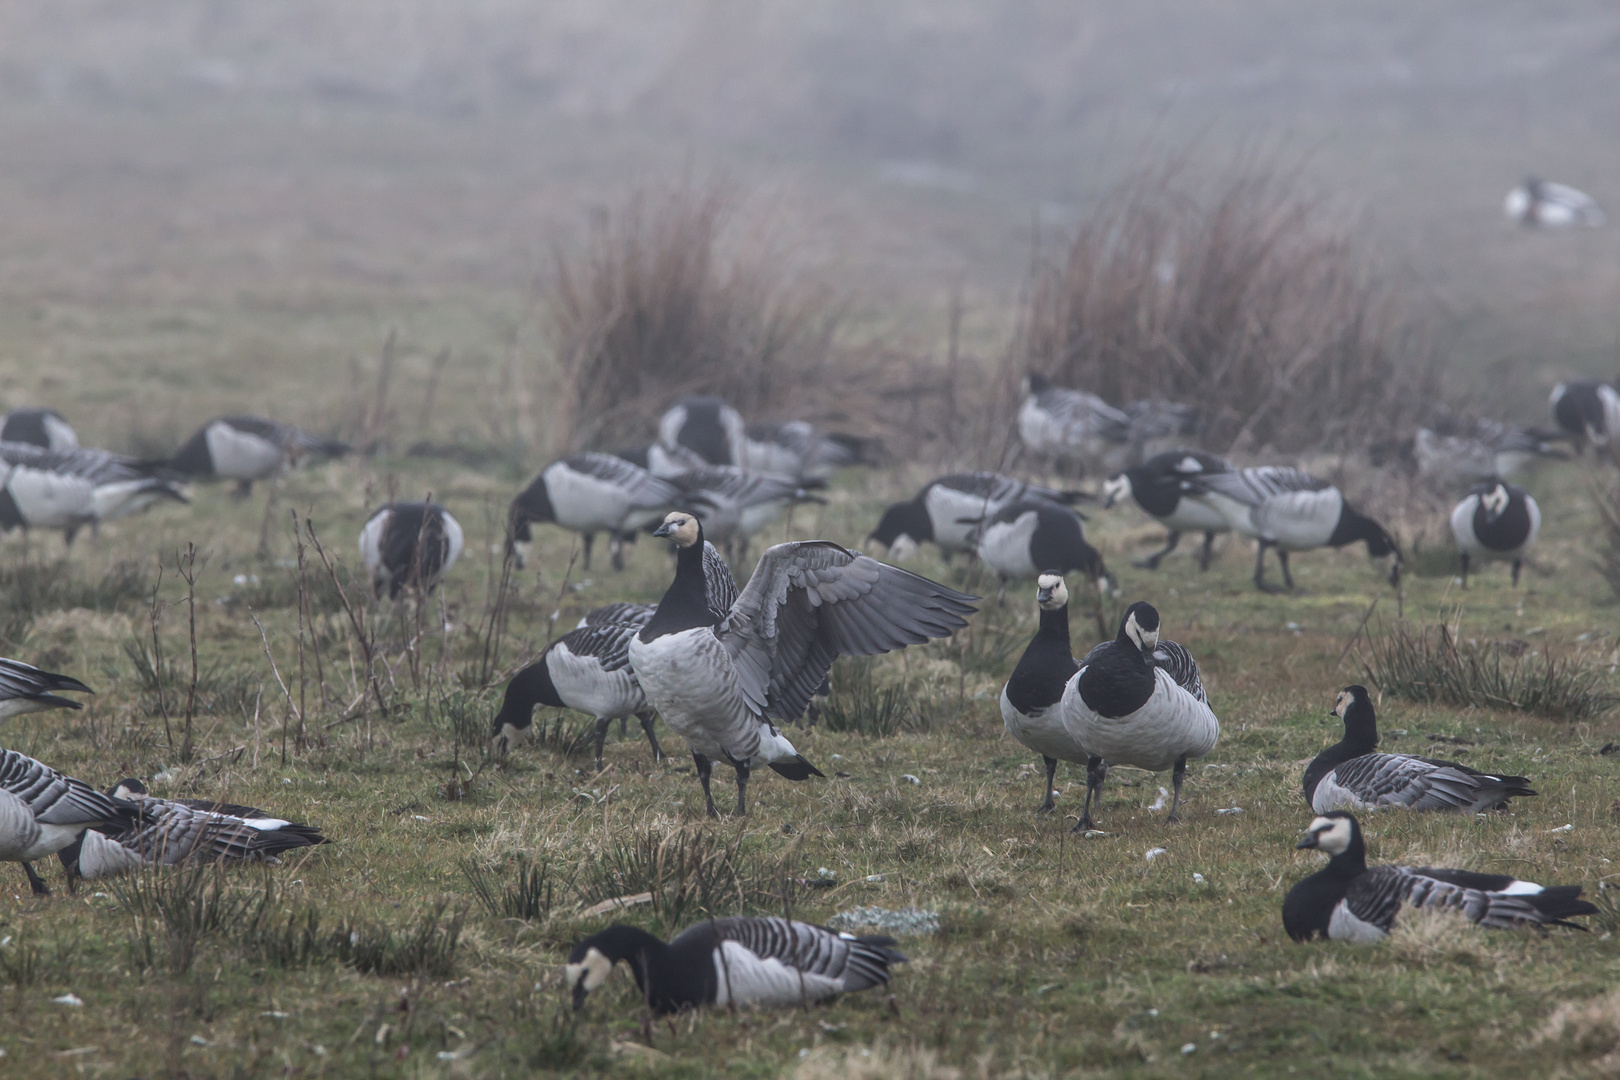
857, 963
623, 613
720, 589
812, 601
1179, 664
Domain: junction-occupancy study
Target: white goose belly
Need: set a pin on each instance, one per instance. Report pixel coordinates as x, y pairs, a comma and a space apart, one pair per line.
689, 678
51, 500
1236, 515
1004, 547
241, 455
1190, 515
946, 506
19, 831
1042, 731
1172, 723
583, 502
1300, 520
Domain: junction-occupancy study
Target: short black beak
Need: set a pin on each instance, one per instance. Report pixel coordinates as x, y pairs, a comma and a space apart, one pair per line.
1108, 502
1307, 841
662, 531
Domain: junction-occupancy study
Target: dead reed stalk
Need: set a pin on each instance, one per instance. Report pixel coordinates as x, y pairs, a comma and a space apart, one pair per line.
186, 565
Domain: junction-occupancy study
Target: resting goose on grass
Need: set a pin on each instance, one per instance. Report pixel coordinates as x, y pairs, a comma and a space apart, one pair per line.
42, 812
409, 545
47, 489
746, 961
708, 427
45, 428
589, 493
1156, 485
1539, 204
249, 448
1031, 701
1022, 539
1349, 901
1289, 510
1588, 410
1352, 775
796, 448
946, 509
174, 831
1126, 706
26, 689
719, 682
588, 669
1497, 520
737, 504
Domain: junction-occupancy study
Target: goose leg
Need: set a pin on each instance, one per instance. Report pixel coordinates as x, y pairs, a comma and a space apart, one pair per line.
1288, 579
1260, 571
244, 490
1096, 771
1517, 563
602, 723
705, 769
35, 882
616, 550
1176, 778
590, 538
646, 719
742, 790
1463, 559
1206, 551
1001, 595
1047, 802
624, 726
1152, 561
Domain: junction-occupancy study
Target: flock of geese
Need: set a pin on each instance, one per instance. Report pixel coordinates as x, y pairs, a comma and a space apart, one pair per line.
728, 669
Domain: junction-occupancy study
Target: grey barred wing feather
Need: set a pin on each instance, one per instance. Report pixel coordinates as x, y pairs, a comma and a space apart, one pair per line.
53, 798
640, 487
1493, 910
811, 601
720, 587
1375, 897
856, 963
1412, 782
177, 832
1179, 664
19, 680
1254, 486
609, 643
622, 613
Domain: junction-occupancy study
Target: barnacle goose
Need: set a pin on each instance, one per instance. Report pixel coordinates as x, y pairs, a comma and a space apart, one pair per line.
1289, 510
42, 811
717, 682
45, 428
736, 504
1486, 449
662, 461
589, 493
1349, 901
1497, 520
1026, 537
588, 669
409, 545
49, 489
1031, 700
739, 961
25, 689
797, 448
1351, 774
1138, 700
708, 427
173, 831
249, 448
1588, 410
1057, 423
1539, 204
1156, 485
946, 509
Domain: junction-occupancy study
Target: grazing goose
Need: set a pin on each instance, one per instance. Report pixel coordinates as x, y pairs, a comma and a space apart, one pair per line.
1352, 775
740, 961
1486, 449
1025, 537
1588, 410
1060, 424
708, 427
588, 669
1126, 706
249, 448
1497, 520
1289, 510
662, 461
1031, 700
1538, 204
589, 493
42, 811
798, 449
1156, 485
946, 509
25, 689
737, 504
409, 545
47, 489
45, 428
173, 831
717, 682
1348, 901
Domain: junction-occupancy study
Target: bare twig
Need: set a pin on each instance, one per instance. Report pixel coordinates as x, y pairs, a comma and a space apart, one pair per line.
188, 572
291, 707
157, 661
356, 621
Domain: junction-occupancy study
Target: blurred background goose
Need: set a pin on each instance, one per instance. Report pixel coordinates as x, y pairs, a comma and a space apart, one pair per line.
946, 509
1058, 424
1587, 410
68, 490
249, 448
1497, 520
1156, 486
797, 448
1023, 540
737, 504
45, 428
1540, 204
706, 426
589, 493
409, 545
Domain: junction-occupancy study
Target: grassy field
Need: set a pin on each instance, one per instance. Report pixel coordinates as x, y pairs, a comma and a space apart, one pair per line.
1055, 956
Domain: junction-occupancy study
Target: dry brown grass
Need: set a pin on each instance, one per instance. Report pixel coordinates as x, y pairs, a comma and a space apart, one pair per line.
1588, 1028
1243, 296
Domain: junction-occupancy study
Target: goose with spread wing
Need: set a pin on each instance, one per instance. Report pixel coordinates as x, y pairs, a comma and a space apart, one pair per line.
719, 683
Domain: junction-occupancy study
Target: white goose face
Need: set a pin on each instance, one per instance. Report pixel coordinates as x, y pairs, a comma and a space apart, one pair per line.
1331, 835
680, 527
587, 975
1114, 489
1495, 501
1050, 592
1146, 640
1341, 703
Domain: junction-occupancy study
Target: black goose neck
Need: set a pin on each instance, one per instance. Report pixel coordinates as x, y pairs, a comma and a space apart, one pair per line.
1351, 862
1055, 625
1360, 727
685, 605
622, 942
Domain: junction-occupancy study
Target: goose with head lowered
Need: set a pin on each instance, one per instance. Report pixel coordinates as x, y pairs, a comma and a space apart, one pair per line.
42, 812
1352, 775
719, 683
1349, 901
409, 545
1588, 410
1059, 424
589, 493
67, 490
744, 961
40, 427
1138, 700
1025, 538
1031, 701
1289, 510
1497, 520
1542, 204
1156, 486
706, 426
588, 669
947, 508
249, 448
797, 448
